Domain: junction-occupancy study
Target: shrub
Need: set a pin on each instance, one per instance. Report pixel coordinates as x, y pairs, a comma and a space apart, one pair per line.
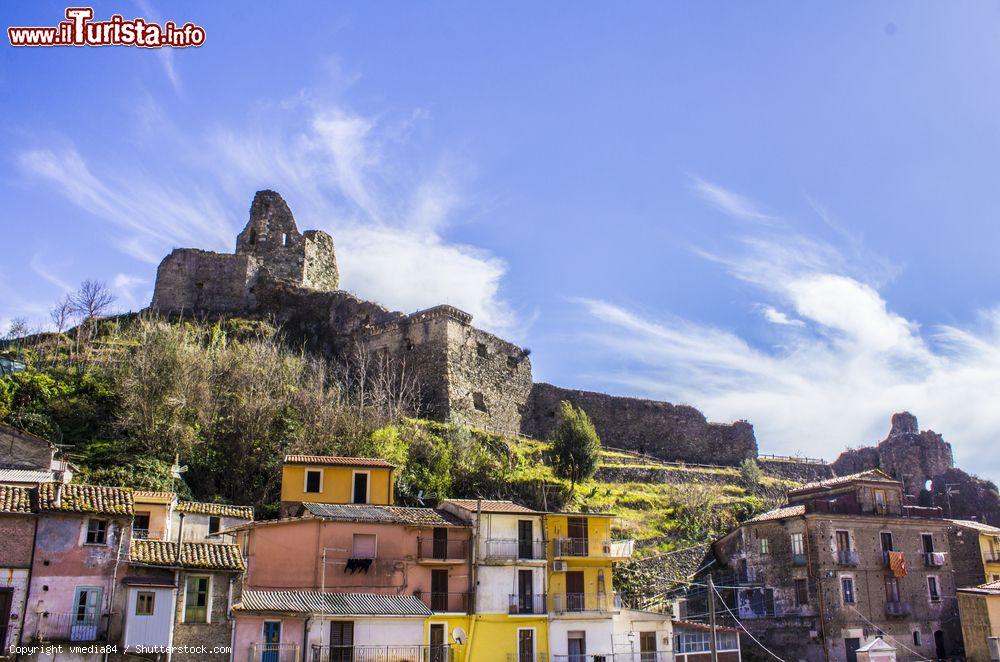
575, 444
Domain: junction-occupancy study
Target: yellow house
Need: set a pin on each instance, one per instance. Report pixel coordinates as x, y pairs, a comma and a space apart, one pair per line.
336, 480
979, 546
979, 611
152, 514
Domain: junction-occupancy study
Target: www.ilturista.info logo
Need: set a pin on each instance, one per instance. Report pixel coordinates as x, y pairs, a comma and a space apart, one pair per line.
80, 30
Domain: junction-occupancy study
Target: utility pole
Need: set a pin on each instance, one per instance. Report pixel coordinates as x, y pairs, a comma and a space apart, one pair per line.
713, 644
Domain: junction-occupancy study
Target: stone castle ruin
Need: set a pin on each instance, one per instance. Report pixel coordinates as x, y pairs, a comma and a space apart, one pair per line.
467, 375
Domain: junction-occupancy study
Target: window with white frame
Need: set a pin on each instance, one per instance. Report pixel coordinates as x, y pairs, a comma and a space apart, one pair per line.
314, 481
798, 544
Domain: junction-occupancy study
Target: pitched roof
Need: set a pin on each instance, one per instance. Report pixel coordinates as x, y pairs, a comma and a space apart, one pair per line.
340, 461
76, 498
220, 509
382, 514
978, 526
195, 555
15, 500
152, 494
991, 588
779, 513
492, 506
346, 604
870, 475
12, 475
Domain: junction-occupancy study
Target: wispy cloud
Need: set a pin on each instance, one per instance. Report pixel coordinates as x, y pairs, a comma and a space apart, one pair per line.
341, 171
842, 362
728, 202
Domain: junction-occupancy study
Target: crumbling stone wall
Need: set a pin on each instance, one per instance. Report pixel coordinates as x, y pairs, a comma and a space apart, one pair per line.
193, 281
803, 472
660, 429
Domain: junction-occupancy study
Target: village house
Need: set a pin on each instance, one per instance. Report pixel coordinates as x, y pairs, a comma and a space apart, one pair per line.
336, 480
846, 561
511, 610
17, 531
81, 545
161, 516
181, 594
27, 460
980, 610
975, 549
693, 642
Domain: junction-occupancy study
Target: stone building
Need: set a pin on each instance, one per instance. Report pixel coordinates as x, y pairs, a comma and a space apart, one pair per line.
980, 609
846, 560
26, 460
466, 375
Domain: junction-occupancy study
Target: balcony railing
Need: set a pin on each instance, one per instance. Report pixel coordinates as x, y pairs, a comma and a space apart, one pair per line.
429, 549
414, 653
506, 549
847, 557
563, 603
798, 559
274, 653
933, 559
458, 603
527, 603
897, 608
636, 656
581, 547
71, 626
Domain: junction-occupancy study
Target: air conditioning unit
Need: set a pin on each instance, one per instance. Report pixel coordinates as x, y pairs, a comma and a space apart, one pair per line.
559, 566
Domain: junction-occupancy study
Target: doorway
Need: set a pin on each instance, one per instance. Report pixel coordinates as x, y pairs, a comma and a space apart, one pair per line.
647, 647
272, 642
852, 645
524, 539
940, 650
525, 645
525, 586
578, 538
341, 641
576, 646
439, 590
6, 599
438, 649
360, 488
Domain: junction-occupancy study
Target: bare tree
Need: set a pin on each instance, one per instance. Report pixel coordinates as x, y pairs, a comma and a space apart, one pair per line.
92, 300
18, 329
61, 313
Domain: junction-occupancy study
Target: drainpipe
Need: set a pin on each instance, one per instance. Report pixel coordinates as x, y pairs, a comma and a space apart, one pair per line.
114, 578
27, 591
819, 588
173, 612
180, 532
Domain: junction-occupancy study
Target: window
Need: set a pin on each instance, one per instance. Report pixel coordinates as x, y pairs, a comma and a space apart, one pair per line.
891, 589
97, 532
196, 599
481, 350
284, 238
764, 548
140, 525
213, 524
880, 501
886, 539
798, 547
847, 587
364, 546
928, 542
144, 603
916, 637
314, 481
843, 541
576, 644
932, 589
801, 592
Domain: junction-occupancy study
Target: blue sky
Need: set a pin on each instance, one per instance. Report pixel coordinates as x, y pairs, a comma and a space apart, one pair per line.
776, 211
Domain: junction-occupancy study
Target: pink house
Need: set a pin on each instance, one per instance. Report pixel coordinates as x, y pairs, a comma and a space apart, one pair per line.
348, 576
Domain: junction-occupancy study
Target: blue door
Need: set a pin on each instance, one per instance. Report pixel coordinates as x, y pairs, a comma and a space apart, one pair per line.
271, 650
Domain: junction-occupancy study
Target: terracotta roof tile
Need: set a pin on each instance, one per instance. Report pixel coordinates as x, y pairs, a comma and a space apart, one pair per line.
220, 509
779, 513
338, 460
193, 555
872, 474
15, 500
76, 498
492, 506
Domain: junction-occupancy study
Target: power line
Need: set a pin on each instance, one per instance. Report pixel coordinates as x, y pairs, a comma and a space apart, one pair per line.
886, 634
768, 650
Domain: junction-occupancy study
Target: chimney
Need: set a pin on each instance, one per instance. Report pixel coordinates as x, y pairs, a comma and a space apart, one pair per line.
58, 498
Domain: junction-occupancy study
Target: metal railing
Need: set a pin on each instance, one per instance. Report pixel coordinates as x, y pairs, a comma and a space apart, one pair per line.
526, 603
581, 547
71, 626
563, 603
414, 653
274, 653
793, 458
798, 559
933, 559
509, 549
897, 608
635, 656
429, 549
847, 557
458, 603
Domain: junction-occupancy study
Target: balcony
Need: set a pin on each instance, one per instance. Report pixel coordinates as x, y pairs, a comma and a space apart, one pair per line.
992, 556
416, 653
526, 603
572, 603
456, 603
509, 549
430, 550
798, 559
847, 557
582, 547
933, 559
71, 626
274, 653
636, 656
897, 609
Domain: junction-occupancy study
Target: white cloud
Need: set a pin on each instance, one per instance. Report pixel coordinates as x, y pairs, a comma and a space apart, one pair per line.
339, 171
124, 286
727, 201
844, 363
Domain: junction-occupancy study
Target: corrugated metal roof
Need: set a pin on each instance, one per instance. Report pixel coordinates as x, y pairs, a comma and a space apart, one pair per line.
382, 514
339, 604
25, 476
339, 461
492, 506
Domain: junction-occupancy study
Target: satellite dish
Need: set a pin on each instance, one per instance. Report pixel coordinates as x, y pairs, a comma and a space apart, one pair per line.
458, 634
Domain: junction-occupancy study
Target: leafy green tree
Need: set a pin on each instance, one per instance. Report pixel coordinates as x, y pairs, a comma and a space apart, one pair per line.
575, 444
751, 475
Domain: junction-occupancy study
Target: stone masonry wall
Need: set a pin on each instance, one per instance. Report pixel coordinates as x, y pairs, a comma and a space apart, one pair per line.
660, 429
803, 472
218, 632
22, 450
194, 281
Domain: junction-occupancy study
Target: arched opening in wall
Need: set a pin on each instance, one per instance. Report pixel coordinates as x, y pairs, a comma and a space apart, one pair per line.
939, 647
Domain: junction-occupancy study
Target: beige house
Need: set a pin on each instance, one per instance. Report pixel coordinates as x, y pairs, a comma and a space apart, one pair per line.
980, 613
